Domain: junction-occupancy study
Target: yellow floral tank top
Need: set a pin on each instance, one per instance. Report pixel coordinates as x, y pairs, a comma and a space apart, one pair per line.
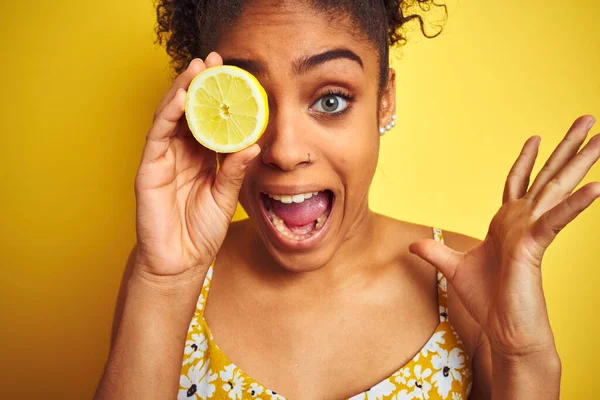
440, 370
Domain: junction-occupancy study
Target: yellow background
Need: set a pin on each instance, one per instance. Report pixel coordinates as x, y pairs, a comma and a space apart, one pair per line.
80, 81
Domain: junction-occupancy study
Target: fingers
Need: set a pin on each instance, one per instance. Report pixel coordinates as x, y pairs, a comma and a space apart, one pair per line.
567, 148
439, 255
169, 113
518, 177
569, 177
182, 82
228, 182
213, 60
552, 222
159, 137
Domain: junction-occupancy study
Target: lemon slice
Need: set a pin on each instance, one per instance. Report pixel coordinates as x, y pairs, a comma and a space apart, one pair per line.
226, 108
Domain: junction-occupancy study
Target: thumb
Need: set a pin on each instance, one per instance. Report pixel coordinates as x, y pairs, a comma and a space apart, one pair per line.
228, 181
445, 259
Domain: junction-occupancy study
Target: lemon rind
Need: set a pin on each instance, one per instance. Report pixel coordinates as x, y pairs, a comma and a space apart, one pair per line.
257, 92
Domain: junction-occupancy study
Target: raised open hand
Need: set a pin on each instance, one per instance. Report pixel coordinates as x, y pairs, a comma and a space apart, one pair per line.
184, 207
499, 281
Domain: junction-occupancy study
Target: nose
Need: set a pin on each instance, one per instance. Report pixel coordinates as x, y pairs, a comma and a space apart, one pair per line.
285, 144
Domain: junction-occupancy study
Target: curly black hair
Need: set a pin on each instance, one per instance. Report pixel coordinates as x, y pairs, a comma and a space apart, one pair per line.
188, 28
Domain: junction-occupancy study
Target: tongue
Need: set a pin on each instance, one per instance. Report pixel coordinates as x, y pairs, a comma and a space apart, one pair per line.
299, 214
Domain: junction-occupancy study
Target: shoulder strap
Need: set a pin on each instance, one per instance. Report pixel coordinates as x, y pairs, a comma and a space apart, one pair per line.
204, 292
441, 279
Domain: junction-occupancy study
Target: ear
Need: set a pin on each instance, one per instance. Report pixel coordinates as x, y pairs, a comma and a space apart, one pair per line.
387, 105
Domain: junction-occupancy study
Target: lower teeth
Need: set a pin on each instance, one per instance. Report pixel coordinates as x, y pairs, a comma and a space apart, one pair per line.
285, 231
321, 220
278, 222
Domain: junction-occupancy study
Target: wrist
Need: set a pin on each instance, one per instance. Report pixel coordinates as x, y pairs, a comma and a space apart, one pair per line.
171, 300
534, 375
547, 360
168, 287
173, 297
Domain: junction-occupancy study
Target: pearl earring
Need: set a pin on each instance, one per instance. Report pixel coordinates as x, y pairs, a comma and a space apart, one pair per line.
388, 126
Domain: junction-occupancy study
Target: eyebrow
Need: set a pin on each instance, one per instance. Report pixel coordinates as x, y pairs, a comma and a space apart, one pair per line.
300, 66
254, 67
304, 65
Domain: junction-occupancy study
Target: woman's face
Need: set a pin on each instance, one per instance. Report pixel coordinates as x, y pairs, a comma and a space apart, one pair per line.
322, 77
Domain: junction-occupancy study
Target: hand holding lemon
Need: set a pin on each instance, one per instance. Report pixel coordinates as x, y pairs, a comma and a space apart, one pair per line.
183, 205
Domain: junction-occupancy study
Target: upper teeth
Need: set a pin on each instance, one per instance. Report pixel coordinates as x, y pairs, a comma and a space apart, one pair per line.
296, 198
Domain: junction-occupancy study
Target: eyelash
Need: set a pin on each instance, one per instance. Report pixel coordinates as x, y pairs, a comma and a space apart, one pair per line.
337, 92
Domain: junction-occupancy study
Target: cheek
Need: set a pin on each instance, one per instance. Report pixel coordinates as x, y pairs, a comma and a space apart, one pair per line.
359, 166
358, 152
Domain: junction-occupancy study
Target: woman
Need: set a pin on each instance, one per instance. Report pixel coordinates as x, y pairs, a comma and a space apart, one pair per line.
322, 298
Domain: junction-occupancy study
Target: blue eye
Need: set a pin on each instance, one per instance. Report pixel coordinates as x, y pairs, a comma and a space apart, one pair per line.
331, 104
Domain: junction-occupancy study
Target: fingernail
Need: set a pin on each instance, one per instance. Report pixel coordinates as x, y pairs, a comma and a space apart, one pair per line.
251, 158
591, 123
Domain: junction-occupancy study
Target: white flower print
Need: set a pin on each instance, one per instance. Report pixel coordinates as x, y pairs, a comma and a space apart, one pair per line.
457, 338
402, 376
255, 389
403, 395
466, 372
195, 347
274, 396
448, 367
193, 324
443, 313
437, 235
432, 346
200, 303
383, 388
234, 382
457, 396
377, 392
197, 384
420, 383
443, 282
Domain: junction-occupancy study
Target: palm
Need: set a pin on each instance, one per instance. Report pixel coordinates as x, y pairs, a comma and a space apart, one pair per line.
183, 206
170, 191
491, 278
499, 280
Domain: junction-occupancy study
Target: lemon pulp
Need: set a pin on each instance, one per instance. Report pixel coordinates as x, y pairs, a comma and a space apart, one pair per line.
226, 108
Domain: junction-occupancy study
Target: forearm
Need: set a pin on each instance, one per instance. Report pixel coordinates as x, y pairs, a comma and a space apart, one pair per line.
526, 377
145, 359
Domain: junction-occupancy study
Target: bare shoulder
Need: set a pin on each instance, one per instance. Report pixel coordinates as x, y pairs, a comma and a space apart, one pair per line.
403, 231
413, 232
459, 242
406, 233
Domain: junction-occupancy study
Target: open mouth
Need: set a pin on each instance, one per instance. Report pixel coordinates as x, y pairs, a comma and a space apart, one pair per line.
300, 216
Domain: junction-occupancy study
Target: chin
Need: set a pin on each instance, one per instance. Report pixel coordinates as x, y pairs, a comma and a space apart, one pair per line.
301, 262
